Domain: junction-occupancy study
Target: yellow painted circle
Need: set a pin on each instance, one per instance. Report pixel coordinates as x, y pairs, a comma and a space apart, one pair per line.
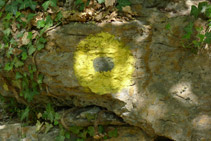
103, 45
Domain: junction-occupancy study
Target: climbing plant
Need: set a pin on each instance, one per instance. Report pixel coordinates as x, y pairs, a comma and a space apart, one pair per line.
197, 37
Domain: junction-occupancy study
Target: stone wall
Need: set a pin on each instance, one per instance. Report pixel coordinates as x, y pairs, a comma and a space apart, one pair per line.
170, 95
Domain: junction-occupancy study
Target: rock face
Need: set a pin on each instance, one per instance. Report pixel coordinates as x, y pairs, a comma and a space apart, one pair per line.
170, 95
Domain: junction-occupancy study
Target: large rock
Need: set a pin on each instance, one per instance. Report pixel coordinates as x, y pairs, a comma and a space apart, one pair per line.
170, 95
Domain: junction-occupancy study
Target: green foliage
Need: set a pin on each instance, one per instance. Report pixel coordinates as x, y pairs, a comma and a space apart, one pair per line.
122, 3
63, 134
51, 115
203, 8
16, 5
197, 37
48, 3
100, 1
80, 5
113, 133
25, 114
2, 3
28, 3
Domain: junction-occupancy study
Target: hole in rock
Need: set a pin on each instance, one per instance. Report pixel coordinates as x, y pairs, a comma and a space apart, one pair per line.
162, 138
103, 64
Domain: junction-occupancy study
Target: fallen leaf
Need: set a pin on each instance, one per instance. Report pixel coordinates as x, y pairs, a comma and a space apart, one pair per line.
24, 39
24, 19
99, 16
109, 2
127, 9
39, 115
16, 51
35, 34
14, 27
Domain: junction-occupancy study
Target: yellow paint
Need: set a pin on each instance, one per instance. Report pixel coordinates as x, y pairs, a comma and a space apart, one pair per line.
103, 45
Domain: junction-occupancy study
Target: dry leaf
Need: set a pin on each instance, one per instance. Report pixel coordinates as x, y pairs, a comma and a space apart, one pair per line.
14, 27
23, 19
99, 16
109, 2
39, 115
34, 34
16, 51
24, 39
127, 9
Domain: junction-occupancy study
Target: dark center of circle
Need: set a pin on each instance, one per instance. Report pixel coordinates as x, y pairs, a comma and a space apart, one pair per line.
103, 64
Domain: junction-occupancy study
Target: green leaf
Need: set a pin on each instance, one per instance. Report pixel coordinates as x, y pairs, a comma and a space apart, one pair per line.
8, 16
208, 38
201, 37
25, 114
189, 30
49, 113
42, 40
45, 5
100, 129
17, 14
58, 16
48, 3
31, 50
57, 116
8, 66
12, 7
91, 131
18, 75
29, 35
194, 11
60, 138
2, 2
32, 4
168, 27
76, 129
80, 4
0, 14
28, 3
17, 62
40, 24
101, 1
53, 3
67, 135
123, 3
30, 16
40, 78
47, 127
202, 5
83, 134
113, 133
24, 55
49, 21
40, 46
208, 12
7, 32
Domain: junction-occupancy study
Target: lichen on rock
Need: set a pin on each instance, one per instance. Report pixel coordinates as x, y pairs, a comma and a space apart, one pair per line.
103, 45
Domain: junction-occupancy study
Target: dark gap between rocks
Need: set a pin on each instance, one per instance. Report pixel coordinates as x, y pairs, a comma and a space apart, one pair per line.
162, 138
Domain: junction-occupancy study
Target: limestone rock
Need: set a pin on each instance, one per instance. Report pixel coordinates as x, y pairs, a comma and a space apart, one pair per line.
88, 116
171, 92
